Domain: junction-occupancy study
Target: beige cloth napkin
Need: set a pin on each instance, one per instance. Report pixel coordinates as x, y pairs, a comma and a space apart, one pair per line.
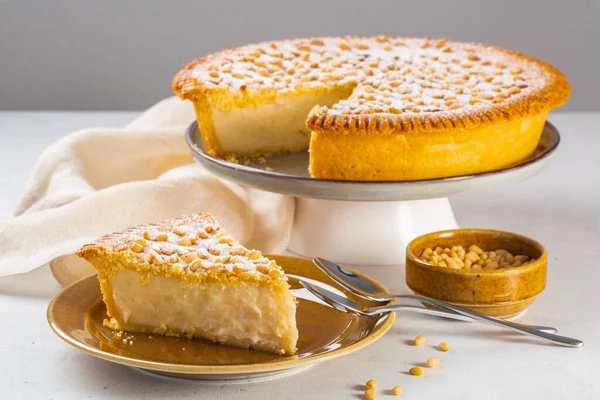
97, 181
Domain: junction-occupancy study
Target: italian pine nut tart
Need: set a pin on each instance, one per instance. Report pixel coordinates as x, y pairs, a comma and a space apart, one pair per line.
374, 108
187, 277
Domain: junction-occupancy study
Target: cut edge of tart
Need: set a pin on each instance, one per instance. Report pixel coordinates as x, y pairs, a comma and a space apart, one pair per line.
186, 277
283, 95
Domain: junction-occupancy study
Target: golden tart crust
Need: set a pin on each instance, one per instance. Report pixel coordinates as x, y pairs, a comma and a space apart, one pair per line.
401, 84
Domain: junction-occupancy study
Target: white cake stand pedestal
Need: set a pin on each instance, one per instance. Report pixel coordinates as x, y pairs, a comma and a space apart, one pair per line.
364, 222
365, 233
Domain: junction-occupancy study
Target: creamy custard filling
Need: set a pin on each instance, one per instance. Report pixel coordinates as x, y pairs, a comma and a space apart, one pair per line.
240, 313
269, 127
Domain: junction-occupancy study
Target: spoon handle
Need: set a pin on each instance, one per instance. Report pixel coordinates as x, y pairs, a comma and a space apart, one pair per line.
455, 316
549, 337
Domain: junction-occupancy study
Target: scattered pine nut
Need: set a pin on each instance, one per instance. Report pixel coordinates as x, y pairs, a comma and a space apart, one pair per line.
397, 390
370, 394
419, 340
433, 362
444, 347
417, 371
371, 384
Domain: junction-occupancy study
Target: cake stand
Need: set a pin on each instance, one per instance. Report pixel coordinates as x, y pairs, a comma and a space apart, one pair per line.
363, 222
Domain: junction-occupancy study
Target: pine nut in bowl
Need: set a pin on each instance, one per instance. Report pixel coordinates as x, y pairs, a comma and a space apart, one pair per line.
492, 272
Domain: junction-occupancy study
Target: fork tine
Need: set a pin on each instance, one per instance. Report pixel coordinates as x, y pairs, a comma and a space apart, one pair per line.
333, 298
312, 289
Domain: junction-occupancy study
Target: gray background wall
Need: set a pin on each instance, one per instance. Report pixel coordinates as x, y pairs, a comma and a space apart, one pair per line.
84, 54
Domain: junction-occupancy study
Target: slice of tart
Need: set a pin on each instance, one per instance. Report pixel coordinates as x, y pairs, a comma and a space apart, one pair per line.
187, 277
374, 108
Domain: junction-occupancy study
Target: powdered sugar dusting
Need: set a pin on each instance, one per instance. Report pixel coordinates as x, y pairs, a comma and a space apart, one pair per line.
194, 243
389, 75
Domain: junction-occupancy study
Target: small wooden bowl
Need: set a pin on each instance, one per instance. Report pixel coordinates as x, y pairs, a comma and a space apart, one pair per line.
503, 293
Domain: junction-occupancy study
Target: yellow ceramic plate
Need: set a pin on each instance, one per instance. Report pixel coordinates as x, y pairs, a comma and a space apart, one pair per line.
77, 312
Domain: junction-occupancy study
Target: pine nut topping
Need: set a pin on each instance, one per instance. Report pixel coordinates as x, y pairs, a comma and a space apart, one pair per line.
423, 67
184, 242
137, 248
189, 257
171, 247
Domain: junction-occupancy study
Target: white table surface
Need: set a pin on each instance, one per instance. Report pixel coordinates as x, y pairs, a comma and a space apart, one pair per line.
560, 207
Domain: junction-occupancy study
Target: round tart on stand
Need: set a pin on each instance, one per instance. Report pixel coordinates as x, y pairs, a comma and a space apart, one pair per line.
407, 121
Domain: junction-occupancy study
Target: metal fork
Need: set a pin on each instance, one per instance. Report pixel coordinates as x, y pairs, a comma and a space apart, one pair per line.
344, 304
361, 287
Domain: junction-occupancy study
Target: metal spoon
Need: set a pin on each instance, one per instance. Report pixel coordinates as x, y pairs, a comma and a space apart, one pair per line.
365, 289
346, 305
